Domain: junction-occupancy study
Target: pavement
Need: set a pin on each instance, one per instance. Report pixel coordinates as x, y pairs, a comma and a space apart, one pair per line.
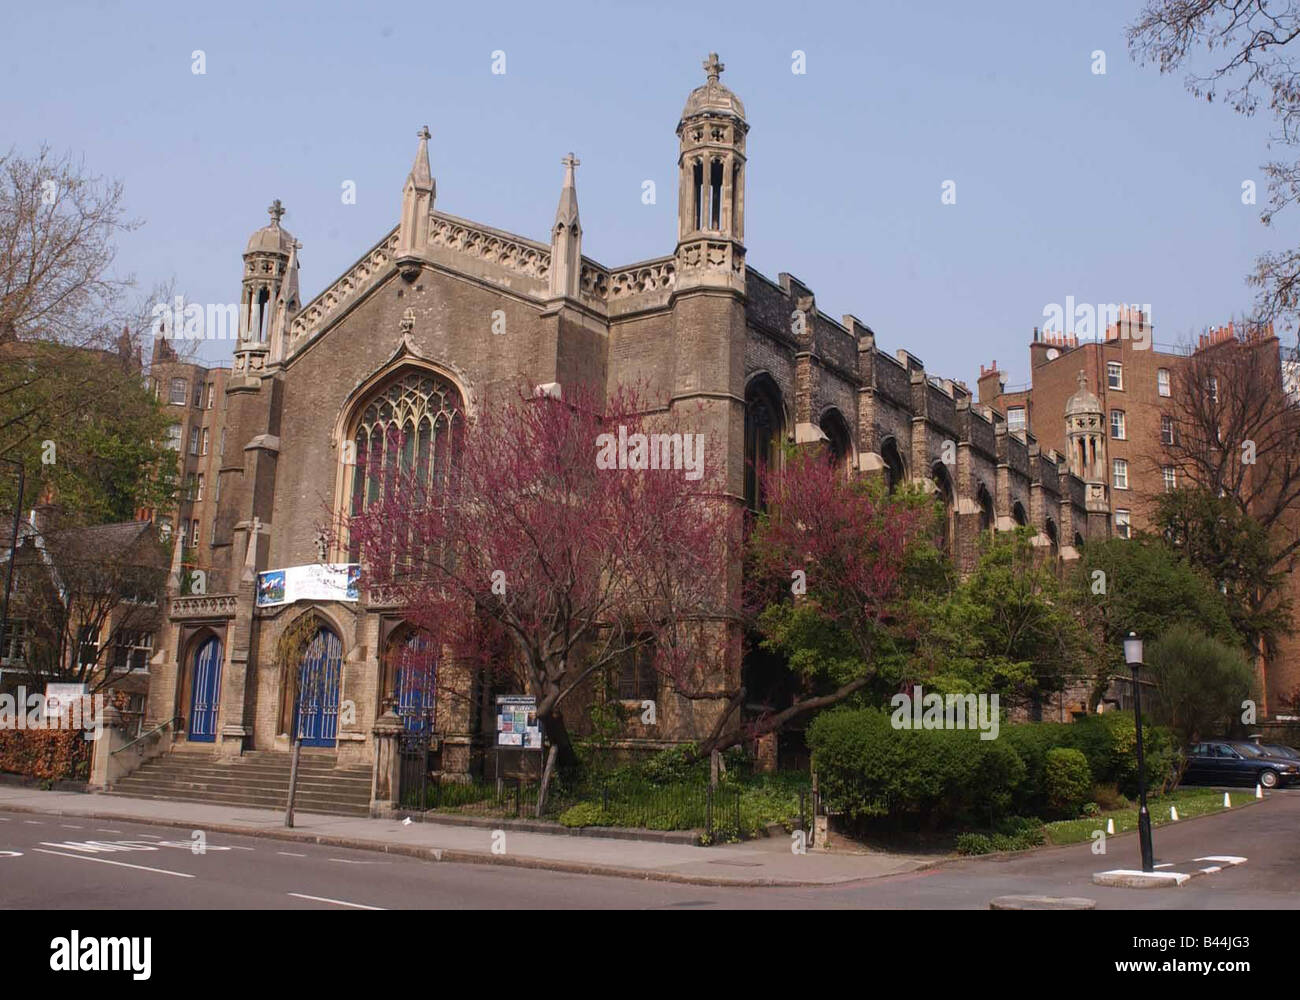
763, 862
66, 850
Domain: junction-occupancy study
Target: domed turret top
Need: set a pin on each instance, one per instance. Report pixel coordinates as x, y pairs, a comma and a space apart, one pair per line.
1082, 401
272, 238
713, 96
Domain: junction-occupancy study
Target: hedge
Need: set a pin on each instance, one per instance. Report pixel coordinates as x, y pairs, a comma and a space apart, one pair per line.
45, 753
867, 769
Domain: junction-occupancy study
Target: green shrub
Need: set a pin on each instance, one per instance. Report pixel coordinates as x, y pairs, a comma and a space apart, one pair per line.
974, 843
866, 768
1067, 780
584, 814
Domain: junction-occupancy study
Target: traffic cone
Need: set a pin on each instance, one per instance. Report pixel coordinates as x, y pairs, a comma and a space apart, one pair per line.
1110, 826
1259, 791
1173, 813
1227, 802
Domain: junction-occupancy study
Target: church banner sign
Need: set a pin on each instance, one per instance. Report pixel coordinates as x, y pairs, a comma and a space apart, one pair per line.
317, 582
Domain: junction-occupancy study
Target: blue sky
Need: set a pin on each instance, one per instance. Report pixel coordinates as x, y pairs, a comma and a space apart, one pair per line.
1108, 188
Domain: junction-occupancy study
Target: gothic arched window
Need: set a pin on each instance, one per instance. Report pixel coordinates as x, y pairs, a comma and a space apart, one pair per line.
404, 434
763, 434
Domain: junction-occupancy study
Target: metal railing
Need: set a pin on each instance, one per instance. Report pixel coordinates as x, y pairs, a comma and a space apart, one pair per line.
153, 734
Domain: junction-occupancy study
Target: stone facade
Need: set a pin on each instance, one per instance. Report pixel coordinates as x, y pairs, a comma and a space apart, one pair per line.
472, 309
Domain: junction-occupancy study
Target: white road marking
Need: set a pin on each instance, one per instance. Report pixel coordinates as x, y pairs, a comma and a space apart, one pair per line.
1225, 859
234, 848
290, 854
119, 864
4, 820
1212, 869
1167, 864
69, 826
11, 854
104, 829
33, 822
336, 902
345, 861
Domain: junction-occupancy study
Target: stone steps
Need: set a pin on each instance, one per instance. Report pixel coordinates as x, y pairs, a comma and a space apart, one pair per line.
258, 779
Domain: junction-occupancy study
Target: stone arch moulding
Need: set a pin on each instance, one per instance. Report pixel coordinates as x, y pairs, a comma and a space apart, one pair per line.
191, 642
834, 414
405, 357
286, 673
764, 380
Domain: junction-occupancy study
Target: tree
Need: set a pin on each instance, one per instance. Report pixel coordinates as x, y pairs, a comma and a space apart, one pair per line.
833, 567
552, 538
1140, 585
1010, 627
89, 433
1232, 549
1200, 683
58, 224
1250, 56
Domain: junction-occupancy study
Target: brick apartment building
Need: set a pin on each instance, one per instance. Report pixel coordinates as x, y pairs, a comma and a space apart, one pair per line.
194, 396
1130, 383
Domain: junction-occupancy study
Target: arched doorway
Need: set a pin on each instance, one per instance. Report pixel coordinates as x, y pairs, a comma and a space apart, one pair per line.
984, 501
411, 669
205, 691
316, 710
943, 488
1018, 514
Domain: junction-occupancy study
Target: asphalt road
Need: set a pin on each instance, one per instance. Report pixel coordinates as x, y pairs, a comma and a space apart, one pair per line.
51, 862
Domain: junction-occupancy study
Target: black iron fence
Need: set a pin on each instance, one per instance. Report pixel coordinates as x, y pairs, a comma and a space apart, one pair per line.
731, 810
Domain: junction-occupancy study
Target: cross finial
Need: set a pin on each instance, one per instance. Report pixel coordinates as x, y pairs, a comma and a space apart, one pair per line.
713, 67
277, 212
1082, 380
571, 161
423, 133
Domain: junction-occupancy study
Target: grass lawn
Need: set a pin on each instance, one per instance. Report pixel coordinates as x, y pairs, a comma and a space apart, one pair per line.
1189, 802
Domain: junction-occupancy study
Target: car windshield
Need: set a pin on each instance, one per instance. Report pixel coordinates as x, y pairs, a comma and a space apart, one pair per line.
1280, 751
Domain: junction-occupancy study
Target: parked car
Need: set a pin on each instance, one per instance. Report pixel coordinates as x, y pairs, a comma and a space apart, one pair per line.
1232, 762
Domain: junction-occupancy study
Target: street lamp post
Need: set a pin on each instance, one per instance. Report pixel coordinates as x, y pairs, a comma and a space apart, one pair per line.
1133, 656
13, 556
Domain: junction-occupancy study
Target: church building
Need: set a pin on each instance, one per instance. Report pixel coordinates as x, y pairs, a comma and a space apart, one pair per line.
408, 337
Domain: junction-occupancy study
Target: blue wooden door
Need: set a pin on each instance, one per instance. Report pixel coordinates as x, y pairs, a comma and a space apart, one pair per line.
414, 683
206, 694
318, 690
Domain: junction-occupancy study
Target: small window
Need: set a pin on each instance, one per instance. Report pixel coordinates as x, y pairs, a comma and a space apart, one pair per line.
198, 487
216, 489
223, 443
1117, 425
191, 487
16, 642
194, 441
194, 533
1171, 478
1123, 523
211, 394
174, 437
204, 445
87, 646
1114, 375
1016, 418
198, 393
1166, 430
179, 391
1119, 474
1212, 387
1162, 381
638, 680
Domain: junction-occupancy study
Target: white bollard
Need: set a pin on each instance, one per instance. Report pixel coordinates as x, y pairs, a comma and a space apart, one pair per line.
1173, 813
1227, 802
1110, 826
1259, 792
